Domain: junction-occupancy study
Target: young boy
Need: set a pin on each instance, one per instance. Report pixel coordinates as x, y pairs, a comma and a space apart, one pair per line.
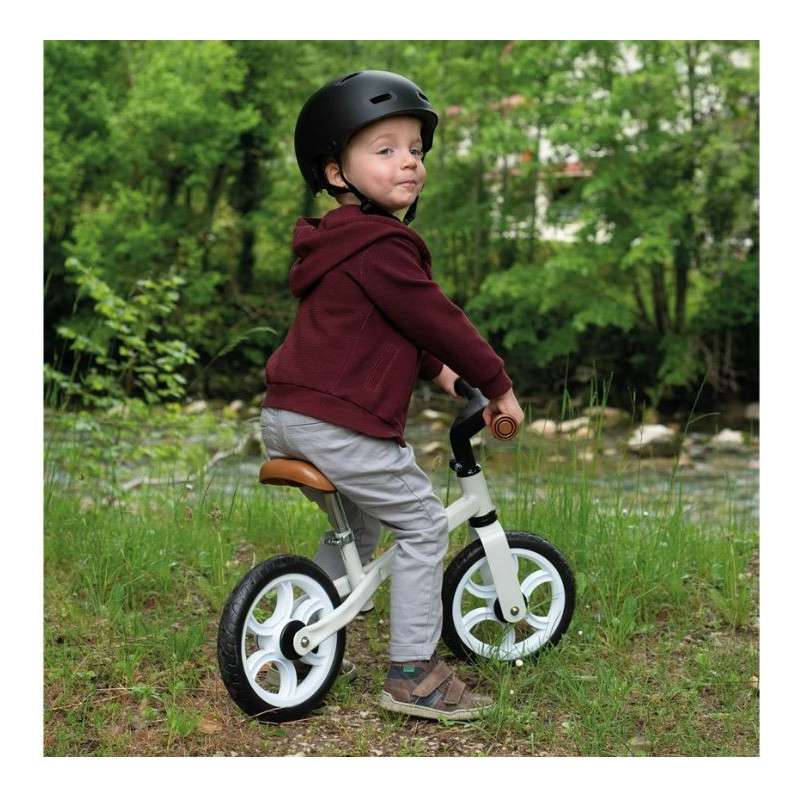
370, 322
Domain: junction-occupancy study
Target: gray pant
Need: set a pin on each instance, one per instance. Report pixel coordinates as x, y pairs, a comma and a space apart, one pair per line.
381, 485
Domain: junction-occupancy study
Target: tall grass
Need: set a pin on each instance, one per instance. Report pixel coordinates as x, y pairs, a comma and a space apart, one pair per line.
638, 554
658, 659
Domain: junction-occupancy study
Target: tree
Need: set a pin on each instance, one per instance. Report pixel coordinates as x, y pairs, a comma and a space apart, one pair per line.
175, 159
669, 212
170, 142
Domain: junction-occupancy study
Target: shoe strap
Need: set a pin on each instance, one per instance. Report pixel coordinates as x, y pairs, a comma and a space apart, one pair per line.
455, 691
433, 680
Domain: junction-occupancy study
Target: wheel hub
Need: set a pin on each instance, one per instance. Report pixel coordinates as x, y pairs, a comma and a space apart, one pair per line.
498, 612
287, 639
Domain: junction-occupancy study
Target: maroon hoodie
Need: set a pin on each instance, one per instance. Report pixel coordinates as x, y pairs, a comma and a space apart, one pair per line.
370, 322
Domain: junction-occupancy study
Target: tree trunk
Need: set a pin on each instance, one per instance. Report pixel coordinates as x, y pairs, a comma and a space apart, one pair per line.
248, 186
658, 295
686, 236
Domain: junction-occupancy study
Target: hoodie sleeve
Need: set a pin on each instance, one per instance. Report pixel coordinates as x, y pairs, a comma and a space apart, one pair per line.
429, 367
392, 276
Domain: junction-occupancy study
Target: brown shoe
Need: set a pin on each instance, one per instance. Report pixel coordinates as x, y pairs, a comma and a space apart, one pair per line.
429, 689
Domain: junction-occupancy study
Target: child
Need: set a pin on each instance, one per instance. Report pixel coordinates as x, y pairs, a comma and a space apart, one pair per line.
370, 322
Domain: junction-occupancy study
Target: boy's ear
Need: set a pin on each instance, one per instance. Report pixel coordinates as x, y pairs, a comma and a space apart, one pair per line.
333, 174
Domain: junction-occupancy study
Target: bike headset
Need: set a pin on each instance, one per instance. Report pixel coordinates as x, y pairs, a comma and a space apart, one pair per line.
342, 107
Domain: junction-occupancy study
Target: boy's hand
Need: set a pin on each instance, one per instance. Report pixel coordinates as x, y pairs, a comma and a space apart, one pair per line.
447, 380
505, 404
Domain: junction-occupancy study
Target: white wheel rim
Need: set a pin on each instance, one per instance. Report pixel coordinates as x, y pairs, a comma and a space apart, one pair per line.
474, 603
293, 596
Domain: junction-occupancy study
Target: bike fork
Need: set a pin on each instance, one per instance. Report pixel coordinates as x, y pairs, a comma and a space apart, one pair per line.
475, 507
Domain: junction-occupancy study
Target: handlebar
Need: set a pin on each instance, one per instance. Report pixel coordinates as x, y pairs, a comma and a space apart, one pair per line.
503, 427
469, 421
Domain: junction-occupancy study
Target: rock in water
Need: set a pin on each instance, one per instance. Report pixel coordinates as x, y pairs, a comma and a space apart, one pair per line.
654, 441
727, 439
543, 427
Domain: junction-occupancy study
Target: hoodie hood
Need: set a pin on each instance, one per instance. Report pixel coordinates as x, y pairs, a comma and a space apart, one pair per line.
321, 245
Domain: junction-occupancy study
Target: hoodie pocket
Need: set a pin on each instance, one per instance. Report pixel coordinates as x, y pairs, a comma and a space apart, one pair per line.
379, 371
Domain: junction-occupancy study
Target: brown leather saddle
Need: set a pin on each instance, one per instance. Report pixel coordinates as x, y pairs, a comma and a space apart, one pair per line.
291, 472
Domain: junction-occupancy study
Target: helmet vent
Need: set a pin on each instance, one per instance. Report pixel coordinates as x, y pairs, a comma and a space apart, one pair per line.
381, 98
347, 77
423, 97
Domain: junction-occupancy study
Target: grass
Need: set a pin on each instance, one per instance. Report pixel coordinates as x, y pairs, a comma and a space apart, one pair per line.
661, 657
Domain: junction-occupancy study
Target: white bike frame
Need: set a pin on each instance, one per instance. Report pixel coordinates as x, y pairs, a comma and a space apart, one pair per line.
361, 582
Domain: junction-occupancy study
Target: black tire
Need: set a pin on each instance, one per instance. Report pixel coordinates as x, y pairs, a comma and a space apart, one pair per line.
472, 626
280, 594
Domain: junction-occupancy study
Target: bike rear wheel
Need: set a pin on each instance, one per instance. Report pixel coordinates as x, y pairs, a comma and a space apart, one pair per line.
254, 645
473, 625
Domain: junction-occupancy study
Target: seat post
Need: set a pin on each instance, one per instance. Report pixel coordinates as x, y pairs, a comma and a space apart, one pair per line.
336, 514
342, 537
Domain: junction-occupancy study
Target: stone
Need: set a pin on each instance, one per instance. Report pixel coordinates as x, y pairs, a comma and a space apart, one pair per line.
431, 414
727, 439
610, 415
570, 425
543, 427
654, 441
432, 447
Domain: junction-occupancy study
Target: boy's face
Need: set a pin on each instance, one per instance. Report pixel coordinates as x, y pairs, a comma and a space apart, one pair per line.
384, 161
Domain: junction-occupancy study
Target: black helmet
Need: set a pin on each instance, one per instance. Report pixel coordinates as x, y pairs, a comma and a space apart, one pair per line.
345, 105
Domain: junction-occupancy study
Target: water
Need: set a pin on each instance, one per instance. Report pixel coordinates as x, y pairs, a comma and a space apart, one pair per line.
709, 480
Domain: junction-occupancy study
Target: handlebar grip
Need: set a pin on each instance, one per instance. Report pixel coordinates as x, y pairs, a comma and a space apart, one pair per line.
504, 427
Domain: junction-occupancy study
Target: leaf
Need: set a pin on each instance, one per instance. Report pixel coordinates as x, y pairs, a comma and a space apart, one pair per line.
208, 725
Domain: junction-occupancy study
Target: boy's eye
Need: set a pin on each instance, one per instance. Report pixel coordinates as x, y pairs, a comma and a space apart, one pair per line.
387, 151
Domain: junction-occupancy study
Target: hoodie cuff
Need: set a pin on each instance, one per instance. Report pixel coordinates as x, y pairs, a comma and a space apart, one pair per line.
498, 386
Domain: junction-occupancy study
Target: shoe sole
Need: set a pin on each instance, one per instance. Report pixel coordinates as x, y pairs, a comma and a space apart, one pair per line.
415, 710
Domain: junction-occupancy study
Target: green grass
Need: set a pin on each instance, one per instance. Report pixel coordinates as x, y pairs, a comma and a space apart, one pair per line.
661, 657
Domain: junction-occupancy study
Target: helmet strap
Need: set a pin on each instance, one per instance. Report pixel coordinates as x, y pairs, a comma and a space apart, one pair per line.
411, 212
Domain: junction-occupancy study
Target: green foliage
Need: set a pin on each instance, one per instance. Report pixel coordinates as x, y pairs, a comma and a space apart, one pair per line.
663, 225
583, 196
178, 124
128, 347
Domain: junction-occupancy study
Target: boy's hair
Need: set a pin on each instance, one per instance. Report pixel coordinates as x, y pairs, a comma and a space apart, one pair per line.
339, 109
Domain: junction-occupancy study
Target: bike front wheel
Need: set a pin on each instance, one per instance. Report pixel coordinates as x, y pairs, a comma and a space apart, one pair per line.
473, 625
254, 644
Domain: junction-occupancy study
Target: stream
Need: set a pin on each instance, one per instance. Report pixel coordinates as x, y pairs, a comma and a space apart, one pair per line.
711, 479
